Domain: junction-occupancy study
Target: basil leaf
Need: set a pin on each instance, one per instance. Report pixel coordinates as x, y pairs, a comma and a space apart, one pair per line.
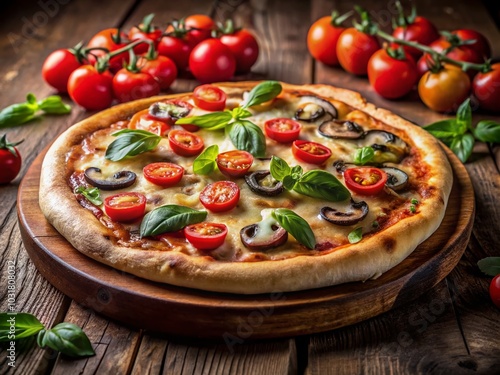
92, 194
296, 171
212, 121
356, 235
464, 117
247, 136
488, 131
462, 146
296, 226
239, 113
443, 129
17, 114
205, 162
323, 185
66, 338
490, 266
18, 325
279, 168
289, 182
131, 143
261, 93
169, 218
54, 105
363, 155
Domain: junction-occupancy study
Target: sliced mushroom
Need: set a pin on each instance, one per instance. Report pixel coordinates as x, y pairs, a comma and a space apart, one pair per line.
341, 129
169, 110
388, 147
311, 108
356, 212
340, 165
263, 235
262, 183
120, 179
397, 179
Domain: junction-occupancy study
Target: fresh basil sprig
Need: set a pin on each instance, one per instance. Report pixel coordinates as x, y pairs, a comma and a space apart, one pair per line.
490, 266
169, 218
296, 226
25, 325
363, 155
205, 162
315, 183
93, 194
247, 136
131, 143
262, 93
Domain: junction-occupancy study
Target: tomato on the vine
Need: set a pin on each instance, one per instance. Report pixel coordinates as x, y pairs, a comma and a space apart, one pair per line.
125, 207
220, 196
145, 31
322, 38
111, 39
91, 89
57, 68
131, 85
365, 180
234, 163
481, 44
495, 290
354, 49
244, 47
176, 48
212, 61
416, 29
185, 143
199, 27
161, 68
143, 120
206, 236
209, 98
486, 88
10, 160
392, 73
163, 174
310, 152
282, 129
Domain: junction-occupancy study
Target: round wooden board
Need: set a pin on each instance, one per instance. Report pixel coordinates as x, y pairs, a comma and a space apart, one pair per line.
186, 312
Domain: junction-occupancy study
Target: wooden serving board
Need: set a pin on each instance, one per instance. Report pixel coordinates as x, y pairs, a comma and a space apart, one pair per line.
187, 312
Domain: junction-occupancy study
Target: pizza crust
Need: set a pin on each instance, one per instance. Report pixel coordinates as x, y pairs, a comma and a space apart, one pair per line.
354, 262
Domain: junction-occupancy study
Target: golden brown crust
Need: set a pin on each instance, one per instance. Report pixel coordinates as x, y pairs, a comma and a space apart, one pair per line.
367, 259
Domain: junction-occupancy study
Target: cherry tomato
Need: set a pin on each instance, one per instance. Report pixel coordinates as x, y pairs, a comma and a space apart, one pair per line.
310, 152
244, 47
10, 160
495, 290
209, 98
322, 40
111, 39
421, 30
161, 68
177, 48
354, 49
129, 85
185, 143
145, 31
445, 90
391, 77
90, 89
200, 27
163, 174
142, 120
206, 236
220, 196
365, 180
481, 44
212, 61
125, 207
57, 68
282, 129
486, 88
235, 163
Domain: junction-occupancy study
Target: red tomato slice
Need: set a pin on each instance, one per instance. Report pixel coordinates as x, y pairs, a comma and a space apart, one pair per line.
125, 206
163, 174
206, 236
310, 152
365, 180
220, 196
234, 163
209, 98
185, 143
282, 129
142, 120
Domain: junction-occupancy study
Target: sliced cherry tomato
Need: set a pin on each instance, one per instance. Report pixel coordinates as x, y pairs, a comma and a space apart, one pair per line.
10, 160
161, 68
125, 207
481, 44
322, 40
212, 61
90, 89
163, 174
206, 236
354, 49
185, 143
57, 68
111, 39
282, 129
142, 120
244, 47
234, 163
486, 88
365, 180
209, 98
220, 196
310, 152
420, 30
495, 290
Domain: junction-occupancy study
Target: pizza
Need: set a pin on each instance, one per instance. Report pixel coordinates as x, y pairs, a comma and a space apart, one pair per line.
247, 187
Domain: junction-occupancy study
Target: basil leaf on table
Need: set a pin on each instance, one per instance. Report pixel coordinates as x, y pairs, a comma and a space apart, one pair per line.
205, 162
247, 136
487, 131
490, 266
66, 338
262, 93
131, 143
54, 105
25, 325
462, 146
92, 194
169, 218
296, 226
323, 185
464, 117
363, 155
445, 129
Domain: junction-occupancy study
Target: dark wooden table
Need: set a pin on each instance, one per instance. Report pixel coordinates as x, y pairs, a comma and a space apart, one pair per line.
453, 328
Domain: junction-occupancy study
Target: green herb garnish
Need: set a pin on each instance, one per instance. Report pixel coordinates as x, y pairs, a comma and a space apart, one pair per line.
131, 143
169, 218
296, 226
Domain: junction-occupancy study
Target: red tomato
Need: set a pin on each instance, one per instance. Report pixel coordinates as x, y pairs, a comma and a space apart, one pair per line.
486, 88
163, 174
235, 163
310, 152
129, 85
365, 180
176, 48
185, 143
495, 290
206, 236
200, 27
212, 61
142, 120
125, 207
145, 31
220, 196
354, 49
244, 47
161, 68
209, 98
322, 40
57, 68
112, 40
421, 30
282, 129
481, 44
10, 160
390, 77
90, 89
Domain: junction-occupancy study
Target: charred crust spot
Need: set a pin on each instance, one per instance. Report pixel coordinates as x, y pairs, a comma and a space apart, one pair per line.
389, 244
106, 237
172, 263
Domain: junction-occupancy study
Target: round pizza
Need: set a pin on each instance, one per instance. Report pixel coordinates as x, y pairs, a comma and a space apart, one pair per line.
247, 187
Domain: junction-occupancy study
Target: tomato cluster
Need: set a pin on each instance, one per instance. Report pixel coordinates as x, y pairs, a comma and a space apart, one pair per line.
119, 66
